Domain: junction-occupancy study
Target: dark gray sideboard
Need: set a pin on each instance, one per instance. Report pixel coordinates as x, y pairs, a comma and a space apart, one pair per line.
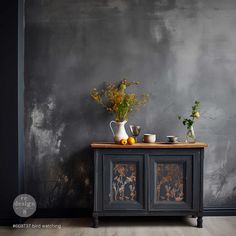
148, 180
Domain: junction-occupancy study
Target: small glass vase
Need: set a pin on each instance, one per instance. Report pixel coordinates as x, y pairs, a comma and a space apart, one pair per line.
190, 135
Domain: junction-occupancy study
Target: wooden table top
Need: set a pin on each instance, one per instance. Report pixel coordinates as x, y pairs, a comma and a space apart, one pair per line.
149, 145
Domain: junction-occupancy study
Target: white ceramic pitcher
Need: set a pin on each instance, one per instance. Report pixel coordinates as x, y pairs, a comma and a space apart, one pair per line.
120, 132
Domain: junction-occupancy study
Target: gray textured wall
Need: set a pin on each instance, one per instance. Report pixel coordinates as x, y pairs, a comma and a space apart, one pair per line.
180, 50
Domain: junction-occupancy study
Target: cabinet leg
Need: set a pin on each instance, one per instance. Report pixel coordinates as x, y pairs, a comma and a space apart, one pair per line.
95, 221
199, 222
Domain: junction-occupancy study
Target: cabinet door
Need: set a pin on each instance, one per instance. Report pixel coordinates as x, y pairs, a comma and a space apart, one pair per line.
171, 182
123, 182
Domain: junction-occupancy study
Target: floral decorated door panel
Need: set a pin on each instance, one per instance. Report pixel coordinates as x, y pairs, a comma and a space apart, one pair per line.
170, 182
123, 182
124, 177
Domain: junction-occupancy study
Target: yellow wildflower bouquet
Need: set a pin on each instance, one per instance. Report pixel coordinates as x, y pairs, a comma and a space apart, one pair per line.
116, 100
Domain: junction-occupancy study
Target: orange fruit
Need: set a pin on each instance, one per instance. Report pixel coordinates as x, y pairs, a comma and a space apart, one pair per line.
131, 140
123, 141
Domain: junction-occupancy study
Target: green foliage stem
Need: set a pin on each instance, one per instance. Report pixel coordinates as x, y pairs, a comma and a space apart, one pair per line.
189, 121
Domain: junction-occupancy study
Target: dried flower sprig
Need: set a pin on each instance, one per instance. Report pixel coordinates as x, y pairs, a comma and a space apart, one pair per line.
115, 99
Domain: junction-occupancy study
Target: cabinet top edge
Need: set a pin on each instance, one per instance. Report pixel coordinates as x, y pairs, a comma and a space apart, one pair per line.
148, 145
